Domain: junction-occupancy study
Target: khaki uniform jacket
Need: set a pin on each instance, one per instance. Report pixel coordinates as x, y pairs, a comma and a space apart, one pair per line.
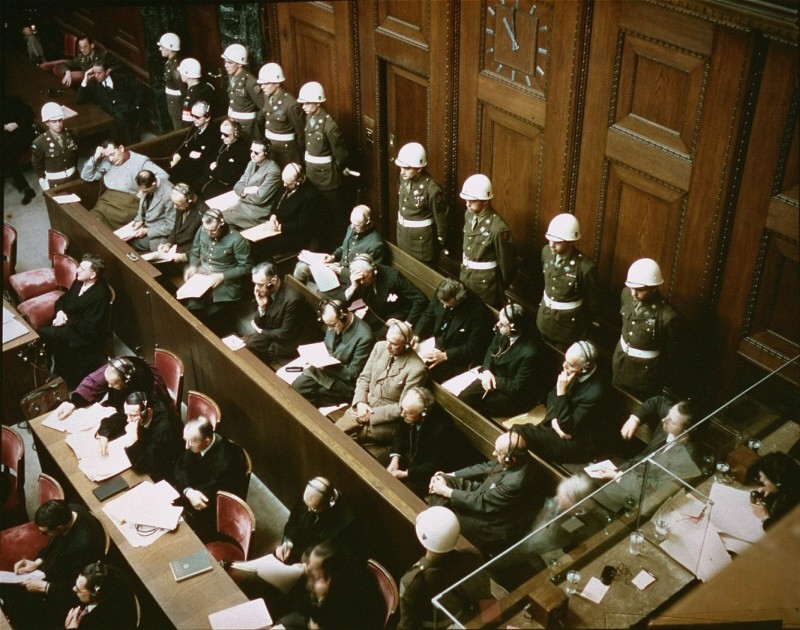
49, 153
489, 241
229, 255
282, 115
172, 80
244, 96
323, 138
420, 199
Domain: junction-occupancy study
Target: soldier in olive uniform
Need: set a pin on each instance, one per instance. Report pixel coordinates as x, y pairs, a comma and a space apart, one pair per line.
490, 258
169, 45
54, 154
284, 125
326, 160
194, 90
422, 221
571, 295
244, 95
74, 69
648, 345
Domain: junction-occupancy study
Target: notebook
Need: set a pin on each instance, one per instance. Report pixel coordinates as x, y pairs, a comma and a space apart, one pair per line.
110, 488
189, 566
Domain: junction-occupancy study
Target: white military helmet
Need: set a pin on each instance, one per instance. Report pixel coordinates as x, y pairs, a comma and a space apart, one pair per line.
190, 68
271, 73
311, 92
170, 41
438, 529
477, 188
235, 53
563, 227
645, 272
411, 155
52, 111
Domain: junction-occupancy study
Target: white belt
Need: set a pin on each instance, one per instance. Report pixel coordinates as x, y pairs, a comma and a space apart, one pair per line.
280, 137
241, 115
560, 306
60, 174
172, 92
639, 354
414, 224
318, 159
474, 264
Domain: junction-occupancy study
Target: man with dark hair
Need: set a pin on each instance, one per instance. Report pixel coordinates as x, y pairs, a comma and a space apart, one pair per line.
461, 325
76, 538
116, 93
88, 54
258, 188
77, 335
156, 214
283, 317
209, 463
152, 431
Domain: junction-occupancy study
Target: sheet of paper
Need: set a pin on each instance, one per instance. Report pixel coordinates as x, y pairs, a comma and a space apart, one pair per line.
735, 545
71, 198
595, 590
733, 514
95, 466
13, 329
9, 577
643, 579
697, 546
311, 258
126, 232
290, 375
459, 383
689, 505
426, 347
596, 470
248, 616
135, 535
195, 286
159, 256
8, 314
325, 411
82, 419
259, 232
324, 277
234, 342
224, 201
281, 576
316, 354
147, 504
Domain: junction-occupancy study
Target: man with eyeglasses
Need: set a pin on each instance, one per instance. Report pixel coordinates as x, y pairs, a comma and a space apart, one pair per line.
258, 189
75, 539
198, 148
226, 164
282, 320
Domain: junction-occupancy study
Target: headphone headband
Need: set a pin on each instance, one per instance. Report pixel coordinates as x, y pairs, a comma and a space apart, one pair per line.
338, 307
123, 367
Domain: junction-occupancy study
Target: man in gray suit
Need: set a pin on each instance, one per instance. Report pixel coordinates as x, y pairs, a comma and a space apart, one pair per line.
495, 501
258, 189
392, 369
348, 339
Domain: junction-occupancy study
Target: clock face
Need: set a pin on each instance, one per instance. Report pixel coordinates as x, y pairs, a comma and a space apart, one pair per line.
517, 41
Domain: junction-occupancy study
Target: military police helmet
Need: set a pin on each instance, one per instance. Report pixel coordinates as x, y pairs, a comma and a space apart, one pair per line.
311, 92
271, 73
190, 68
170, 41
235, 53
411, 155
645, 272
438, 529
563, 227
477, 188
52, 111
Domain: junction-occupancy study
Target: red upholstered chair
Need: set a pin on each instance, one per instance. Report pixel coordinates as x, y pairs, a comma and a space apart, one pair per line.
12, 469
40, 310
235, 521
170, 367
29, 284
388, 588
25, 541
198, 404
9, 254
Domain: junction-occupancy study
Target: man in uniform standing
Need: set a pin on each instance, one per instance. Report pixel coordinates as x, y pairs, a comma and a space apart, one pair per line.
649, 339
54, 154
571, 295
490, 258
422, 220
326, 159
169, 45
284, 126
244, 96
195, 90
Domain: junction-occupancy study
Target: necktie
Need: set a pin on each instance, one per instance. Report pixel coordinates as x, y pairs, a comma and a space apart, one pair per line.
474, 222
336, 339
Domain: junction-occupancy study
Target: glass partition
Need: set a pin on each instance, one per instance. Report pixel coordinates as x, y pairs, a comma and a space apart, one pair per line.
646, 531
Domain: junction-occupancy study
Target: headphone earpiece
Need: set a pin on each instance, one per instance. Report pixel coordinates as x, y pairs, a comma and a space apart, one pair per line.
511, 457
325, 489
337, 306
403, 328
589, 355
425, 397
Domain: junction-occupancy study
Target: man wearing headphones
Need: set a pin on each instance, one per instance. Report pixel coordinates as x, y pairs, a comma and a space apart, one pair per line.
348, 339
282, 319
156, 214
189, 211
512, 369
198, 148
495, 501
225, 165
391, 370
572, 430
258, 188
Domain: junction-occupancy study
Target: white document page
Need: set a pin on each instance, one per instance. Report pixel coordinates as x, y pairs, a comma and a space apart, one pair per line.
324, 277
259, 232
195, 286
224, 201
459, 383
126, 232
95, 466
82, 419
248, 616
733, 514
316, 354
9, 577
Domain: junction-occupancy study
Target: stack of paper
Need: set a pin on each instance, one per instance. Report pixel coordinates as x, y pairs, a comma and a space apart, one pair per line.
459, 383
12, 327
195, 286
324, 277
316, 354
426, 347
224, 201
259, 232
145, 512
126, 232
94, 465
159, 256
83, 419
732, 514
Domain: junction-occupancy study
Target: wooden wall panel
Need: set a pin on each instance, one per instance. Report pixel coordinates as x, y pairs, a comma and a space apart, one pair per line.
407, 20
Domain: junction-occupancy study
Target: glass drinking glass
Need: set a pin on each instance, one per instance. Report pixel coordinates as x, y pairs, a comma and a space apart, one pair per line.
607, 520
708, 464
754, 444
636, 543
661, 524
630, 506
721, 475
555, 567
573, 579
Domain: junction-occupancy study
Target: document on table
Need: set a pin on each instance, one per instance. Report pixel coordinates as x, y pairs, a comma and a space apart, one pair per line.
95, 466
733, 514
697, 546
234, 342
248, 616
8, 314
9, 577
13, 329
292, 370
224, 201
596, 470
459, 383
159, 256
147, 504
259, 232
195, 286
71, 198
595, 590
643, 579
81, 419
126, 232
317, 354
324, 277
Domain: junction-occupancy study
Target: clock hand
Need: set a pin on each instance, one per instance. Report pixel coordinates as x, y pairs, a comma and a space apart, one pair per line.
514, 44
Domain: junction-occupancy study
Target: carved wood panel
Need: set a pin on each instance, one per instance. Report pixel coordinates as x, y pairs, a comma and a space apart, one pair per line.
404, 19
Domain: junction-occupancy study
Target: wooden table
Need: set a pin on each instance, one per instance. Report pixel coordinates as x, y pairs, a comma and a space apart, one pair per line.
187, 604
37, 87
18, 375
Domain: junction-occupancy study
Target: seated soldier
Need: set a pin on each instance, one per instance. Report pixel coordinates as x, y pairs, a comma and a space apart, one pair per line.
156, 214
386, 293
391, 370
117, 167
282, 320
512, 371
495, 501
347, 339
152, 433
361, 238
209, 463
258, 189
572, 430
461, 325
